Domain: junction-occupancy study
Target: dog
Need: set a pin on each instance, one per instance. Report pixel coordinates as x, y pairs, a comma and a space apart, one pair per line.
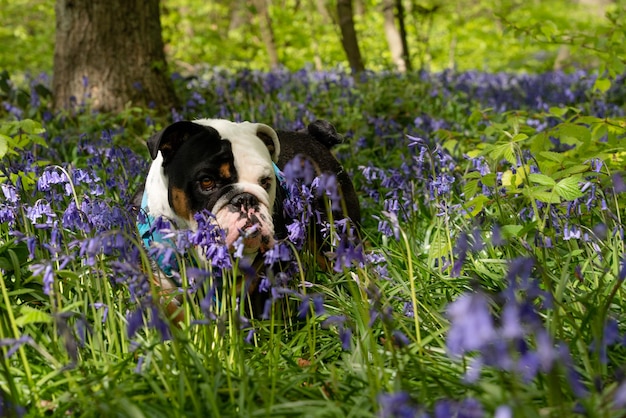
233, 170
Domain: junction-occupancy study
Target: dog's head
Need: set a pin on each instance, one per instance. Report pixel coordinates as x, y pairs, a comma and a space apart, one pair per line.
221, 166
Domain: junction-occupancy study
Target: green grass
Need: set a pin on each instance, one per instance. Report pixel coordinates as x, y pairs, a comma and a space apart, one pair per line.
494, 236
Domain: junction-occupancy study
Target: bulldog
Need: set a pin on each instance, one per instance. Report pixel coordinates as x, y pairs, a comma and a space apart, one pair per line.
233, 171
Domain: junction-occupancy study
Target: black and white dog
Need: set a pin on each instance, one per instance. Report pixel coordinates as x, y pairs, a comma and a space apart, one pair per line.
231, 169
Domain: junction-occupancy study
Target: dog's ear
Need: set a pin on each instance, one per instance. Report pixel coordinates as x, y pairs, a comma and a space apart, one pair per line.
270, 139
171, 138
325, 133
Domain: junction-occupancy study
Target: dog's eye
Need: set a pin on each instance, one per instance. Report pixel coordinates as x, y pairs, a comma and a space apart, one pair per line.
207, 183
266, 182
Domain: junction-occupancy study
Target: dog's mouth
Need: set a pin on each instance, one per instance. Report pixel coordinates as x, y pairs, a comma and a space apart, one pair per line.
247, 223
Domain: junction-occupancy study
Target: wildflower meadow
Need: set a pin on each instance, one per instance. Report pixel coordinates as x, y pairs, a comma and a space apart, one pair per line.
486, 280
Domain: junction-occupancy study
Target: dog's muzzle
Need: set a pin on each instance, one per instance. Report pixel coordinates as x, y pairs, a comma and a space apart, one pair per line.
245, 217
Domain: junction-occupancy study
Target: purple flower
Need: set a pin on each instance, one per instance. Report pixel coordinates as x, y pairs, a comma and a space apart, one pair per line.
503, 411
396, 405
467, 408
400, 339
250, 336
279, 252
619, 397
15, 344
100, 305
47, 273
134, 322
618, 183
471, 324
345, 335
299, 170
10, 193
40, 209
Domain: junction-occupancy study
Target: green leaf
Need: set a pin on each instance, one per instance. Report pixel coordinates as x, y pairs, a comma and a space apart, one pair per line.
30, 315
489, 180
509, 154
553, 156
602, 84
559, 112
575, 169
510, 231
546, 197
477, 204
568, 188
541, 179
4, 145
470, 188
571, 133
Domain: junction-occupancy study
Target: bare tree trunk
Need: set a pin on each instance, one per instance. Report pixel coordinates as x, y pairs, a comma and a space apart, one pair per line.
267, 33
403, 35
110, 52
348, 35
394, 40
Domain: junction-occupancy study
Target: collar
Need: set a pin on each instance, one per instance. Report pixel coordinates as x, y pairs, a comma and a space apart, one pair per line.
280, 177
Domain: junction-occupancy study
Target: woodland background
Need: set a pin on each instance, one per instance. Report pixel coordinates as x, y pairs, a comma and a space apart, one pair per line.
491, 178
486, 35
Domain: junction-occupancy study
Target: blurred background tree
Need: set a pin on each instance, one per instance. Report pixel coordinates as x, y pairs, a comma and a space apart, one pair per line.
484, 35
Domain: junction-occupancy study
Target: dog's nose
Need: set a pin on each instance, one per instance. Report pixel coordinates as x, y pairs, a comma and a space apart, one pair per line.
245, 200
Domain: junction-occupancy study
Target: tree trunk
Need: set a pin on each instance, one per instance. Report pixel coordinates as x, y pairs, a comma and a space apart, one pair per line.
405, 43
110, 53
267, 33
348, 35
394, 40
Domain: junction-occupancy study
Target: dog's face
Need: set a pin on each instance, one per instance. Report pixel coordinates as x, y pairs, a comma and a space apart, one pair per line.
224, 167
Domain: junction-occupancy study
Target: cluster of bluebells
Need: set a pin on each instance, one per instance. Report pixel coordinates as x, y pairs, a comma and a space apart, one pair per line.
516, 339
305, 205
67, 221
401, 405
428, 176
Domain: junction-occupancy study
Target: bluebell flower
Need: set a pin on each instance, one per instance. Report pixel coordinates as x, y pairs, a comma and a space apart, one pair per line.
400, 339
396, 405
467, 408
619, 396
327, 184
619, 186
134, 322
7, 215
160, 324
10, 193
100, 305
503, 411
471, 324
15, 344
41, 209
45, 270
460, 250
280, 252
250, 336
345, 335
299, 170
